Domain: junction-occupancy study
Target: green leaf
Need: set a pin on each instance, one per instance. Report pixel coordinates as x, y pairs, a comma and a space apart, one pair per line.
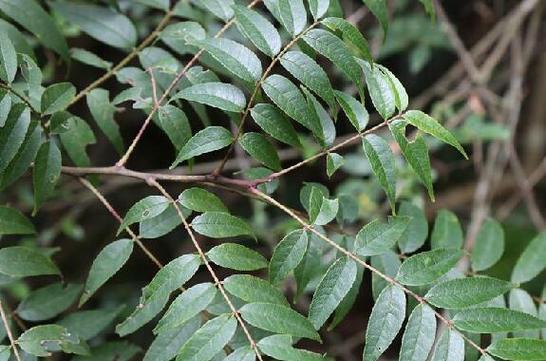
220, 8
56, 338
166, 345
46, 173
89, 58
102, 110
388, 263
489, 245
465, 292
450, 347
331, 290
20, 261
163, 223
260, 149
333, 162
289, 99
274, 123
245, 353
380, 89
209, 339
186, 306
14, 222
318, 8
354, 110
5, 106
335, 50
380, 10
236, 58
107, 263
253, 289
385, 322
8, 59
258, 30
76, 139
419, 335
351, 35
382, 163
48, 302
429, 8
309, 73
111, 351
532, 261
5, 353
278, 319
348, 301
376, 237
237, 257
292, 14
88, 324
287, 255
489, 320
12, 134
32, 17
101, 23
175, 124
401, 99
156, 294
57, 97
205, 141
447, 231
521, 349
427, 267
417, 231
200, 200
431, 126
218, 95
280, 348
415, 152
521, 300
158, 4
321, 209
221, 225
323, 127
146, 208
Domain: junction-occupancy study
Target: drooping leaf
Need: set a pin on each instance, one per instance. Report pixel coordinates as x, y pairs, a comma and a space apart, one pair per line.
380, 10
175, 124
532, 261
377, 237
101, 23
417, 231
48, 302
335, 50
200, 200
8, 59
309, 73
387, 263
209, 339
321, 209
318, 8
102, 110
88, 324
323, 127
89, 58
13, 134
236, 58
450, 347
46, 173
205, 141
333, 162
419, 335
401, 99
521, 300
280, 348
258, 30
166, 345
431, 126
218, 95
220, 8
520, 349
161, 224
253, 289
348, 301
465, 292
278, 319
146, 208
380, 89
221, 225
76, 139
382, 162
447, 231
274, 123
260, 149
385, 322
331, 290
14, 222
490, 320
292, 15
351, 35
287, 255
354, 110
57, 338
57, 97
426, 267
18, 261
107, 263
30, 15
237, 257
185, 307
489, 245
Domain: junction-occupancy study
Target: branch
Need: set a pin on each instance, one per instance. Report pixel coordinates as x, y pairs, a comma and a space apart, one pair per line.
24, 99
9, 333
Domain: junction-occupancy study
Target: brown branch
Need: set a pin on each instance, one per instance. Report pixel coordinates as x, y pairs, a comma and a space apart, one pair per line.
9, 333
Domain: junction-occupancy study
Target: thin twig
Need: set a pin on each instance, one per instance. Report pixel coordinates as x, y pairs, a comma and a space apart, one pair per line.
23, 98
9, 333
